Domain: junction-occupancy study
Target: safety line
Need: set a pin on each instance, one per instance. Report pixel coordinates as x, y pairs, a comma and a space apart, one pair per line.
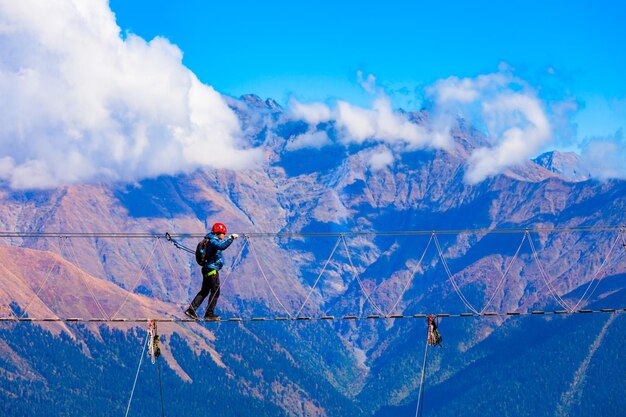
140, 235
178, 244
312, 319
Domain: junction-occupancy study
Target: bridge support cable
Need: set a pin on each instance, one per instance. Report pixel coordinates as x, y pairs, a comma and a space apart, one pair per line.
411, 277
255, 257
504, 275
356, 276
593, 281
306, 300
72, 253
451, 277
44, 282
545, 276
616, 261
139, 275
132, 392
600, 269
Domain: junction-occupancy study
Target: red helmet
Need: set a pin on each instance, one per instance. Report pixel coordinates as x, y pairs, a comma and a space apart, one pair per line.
219, 228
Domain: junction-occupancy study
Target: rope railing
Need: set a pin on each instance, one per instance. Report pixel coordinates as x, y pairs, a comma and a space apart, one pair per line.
143, 235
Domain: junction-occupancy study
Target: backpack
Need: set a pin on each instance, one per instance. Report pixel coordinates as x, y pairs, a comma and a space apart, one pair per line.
201, 252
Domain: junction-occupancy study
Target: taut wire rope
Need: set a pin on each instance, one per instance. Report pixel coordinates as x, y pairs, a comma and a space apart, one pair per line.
406, 286
36, 295
420, 392
356, 276
83, 279
140, 235
601, 268
306, 300
545, 276
504, 275
254, 255
132, 392
451, 278
141, 272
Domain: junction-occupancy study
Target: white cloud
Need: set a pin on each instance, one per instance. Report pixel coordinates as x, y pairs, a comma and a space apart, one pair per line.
604, 157
379, 123
358, 123
465, 90
79, 103
367, 83
380, 159
314, 140
383, 124
506, 107
313, 113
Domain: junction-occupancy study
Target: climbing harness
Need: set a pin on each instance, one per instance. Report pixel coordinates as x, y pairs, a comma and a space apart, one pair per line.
434, 338
154, 351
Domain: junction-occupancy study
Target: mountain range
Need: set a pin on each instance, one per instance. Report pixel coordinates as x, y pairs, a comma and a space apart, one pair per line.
325, 232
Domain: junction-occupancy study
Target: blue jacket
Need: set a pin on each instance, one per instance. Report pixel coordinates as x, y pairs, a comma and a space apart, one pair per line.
216, 261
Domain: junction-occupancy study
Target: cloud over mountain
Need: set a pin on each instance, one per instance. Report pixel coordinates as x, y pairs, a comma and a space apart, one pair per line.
509, 111
604, 157
380, 123
80, 103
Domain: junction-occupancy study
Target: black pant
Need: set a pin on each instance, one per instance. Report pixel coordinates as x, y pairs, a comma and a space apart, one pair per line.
210, 285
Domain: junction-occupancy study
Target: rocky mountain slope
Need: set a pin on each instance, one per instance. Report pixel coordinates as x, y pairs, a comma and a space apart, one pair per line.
307, 195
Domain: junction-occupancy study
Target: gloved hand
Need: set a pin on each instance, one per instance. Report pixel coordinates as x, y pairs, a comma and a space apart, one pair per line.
234, 236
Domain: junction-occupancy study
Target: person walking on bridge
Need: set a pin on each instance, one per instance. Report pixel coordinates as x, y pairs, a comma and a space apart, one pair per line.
209, 255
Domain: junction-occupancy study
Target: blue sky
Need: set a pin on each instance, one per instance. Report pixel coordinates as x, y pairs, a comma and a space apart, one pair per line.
313, 50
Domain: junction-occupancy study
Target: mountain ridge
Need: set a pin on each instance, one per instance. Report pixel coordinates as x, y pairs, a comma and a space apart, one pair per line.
301, 205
